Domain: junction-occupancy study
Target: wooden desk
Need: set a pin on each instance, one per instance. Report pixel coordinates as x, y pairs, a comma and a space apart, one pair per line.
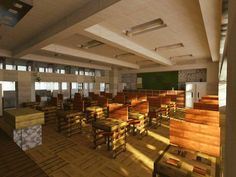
112, 132
23, 125
94, 112
69, 122
187, 163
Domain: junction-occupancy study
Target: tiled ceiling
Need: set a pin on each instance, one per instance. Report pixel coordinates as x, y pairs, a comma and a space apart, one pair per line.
183, 19
43, 15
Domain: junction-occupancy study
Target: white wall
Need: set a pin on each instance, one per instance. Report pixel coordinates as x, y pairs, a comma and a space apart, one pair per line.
212, 72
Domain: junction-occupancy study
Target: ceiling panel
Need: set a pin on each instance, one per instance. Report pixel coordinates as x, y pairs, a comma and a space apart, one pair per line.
183, 19
44, 14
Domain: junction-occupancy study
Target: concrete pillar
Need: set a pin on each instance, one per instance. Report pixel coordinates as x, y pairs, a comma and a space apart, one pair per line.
25, 87
113, 80
230, 129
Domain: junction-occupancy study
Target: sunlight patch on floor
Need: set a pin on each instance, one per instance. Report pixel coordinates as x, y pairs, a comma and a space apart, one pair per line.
159, 137
151, 147
146, 160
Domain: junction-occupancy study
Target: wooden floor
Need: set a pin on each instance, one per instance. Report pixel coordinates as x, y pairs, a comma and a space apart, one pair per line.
14, 162
75, 157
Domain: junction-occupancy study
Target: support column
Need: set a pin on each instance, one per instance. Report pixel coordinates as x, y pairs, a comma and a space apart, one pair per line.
230, 129
25, 87
113, 79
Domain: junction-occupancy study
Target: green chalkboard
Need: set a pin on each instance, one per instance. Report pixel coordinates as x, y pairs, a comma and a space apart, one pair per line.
159, 80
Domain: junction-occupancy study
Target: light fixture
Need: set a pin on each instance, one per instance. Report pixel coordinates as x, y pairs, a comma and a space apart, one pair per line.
171, 46
145, 27
11, 12
90, 44
181, 56
123, 55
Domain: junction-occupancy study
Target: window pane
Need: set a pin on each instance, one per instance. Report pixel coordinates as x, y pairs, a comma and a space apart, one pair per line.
98, 73
80, 86
49, 70
81, 71
21, 68
8, 86
9, 67
55, 86
62, 71
102, 87
74, 85
64, 85
91, 86
41, 69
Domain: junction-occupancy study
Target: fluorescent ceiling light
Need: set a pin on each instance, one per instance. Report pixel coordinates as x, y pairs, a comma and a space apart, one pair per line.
124, 55
91, 44
171, 46
145, 27
11, 12
181, 56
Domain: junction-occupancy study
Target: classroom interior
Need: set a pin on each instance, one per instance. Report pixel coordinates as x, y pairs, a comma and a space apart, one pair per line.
117, 88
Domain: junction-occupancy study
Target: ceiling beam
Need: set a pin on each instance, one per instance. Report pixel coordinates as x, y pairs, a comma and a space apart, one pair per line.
61, 61
211, 14
87, 55
62, 29
117, 40
5, 53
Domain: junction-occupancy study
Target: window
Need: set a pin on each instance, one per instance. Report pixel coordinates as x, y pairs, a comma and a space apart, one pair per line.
21, 68
60, 71
49, 70
47, 86
55, 86
92, 73
1, 66
86, 72
74, 85
8, 86
76, 72
64, 85
98, 73
81, 71
10, 67
80, 86
63, 71
41, 69
85, 90
91, 86
102, 87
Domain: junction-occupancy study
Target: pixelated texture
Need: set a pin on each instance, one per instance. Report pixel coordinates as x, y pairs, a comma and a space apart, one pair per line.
28, 138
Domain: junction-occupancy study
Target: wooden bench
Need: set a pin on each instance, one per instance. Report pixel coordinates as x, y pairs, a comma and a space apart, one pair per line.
206, 117
199, 130
119, 99
206, 106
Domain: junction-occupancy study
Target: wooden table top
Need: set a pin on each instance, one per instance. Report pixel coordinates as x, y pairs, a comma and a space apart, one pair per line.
187, 162
108, 124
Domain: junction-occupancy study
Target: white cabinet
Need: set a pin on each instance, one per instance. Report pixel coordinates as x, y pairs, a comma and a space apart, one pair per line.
194, 92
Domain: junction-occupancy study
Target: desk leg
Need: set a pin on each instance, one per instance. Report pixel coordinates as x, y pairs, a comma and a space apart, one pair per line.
95, 137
